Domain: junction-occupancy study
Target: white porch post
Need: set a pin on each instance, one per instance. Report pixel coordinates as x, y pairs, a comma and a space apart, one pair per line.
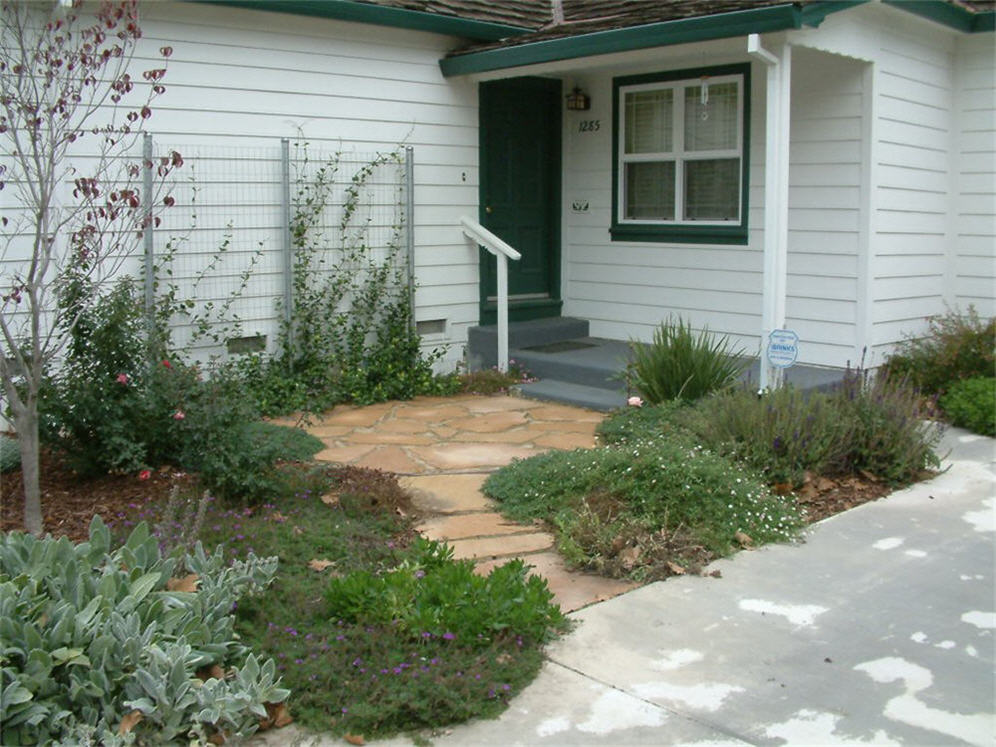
502, 312
778, 99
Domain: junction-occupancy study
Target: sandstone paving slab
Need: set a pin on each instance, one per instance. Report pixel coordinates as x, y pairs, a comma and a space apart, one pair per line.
430, 413
343, 454
565, 412
498, 402
470, 456
572, 589
353, 416
565, 426
390, 459
514, 436
379, 436
326, 431
401, 425
489, 422
442, 431
464, 526
566, 441
494, 547
448, 493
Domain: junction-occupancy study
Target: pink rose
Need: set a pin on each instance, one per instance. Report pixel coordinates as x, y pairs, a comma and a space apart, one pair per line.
145, 474
634, 402
123, 379
167, 364
178, 415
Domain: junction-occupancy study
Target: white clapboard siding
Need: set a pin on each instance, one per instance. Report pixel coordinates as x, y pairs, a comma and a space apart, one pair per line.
975, 202
824, 205
246, 78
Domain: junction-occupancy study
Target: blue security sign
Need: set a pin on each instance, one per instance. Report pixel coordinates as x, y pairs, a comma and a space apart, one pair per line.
783, 348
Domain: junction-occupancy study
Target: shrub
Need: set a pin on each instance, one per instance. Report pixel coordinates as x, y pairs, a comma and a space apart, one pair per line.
957, 346
663, 483
10, 454
971, 403
100, 646
889, 438
680, 365
493, 381
782, 435
864, 424
433, 595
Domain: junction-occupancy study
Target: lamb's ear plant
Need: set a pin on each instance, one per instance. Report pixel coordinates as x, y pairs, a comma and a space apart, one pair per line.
100, 647
680, 364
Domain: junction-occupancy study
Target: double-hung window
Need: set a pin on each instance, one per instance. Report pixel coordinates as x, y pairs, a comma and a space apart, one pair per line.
680, 160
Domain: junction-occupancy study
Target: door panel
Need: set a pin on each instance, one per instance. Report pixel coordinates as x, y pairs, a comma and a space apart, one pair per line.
520, 186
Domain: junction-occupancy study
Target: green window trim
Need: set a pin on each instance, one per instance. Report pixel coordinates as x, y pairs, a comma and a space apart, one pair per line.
683, 232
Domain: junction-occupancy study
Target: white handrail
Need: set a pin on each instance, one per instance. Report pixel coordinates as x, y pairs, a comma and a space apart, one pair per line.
503, 252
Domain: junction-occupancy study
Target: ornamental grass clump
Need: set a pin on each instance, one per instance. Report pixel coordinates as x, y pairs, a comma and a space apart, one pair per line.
679, 364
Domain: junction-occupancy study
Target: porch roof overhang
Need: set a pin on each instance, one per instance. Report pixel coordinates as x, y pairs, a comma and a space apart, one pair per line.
381, 15
682, 31
948, 14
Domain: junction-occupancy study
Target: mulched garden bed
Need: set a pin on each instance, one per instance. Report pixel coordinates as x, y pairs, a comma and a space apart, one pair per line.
69, 501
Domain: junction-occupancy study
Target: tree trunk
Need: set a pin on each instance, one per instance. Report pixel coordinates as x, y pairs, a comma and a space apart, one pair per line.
27, 436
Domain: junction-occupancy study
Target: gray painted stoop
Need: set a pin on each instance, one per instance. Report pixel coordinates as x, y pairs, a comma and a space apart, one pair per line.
572, 367
577, 369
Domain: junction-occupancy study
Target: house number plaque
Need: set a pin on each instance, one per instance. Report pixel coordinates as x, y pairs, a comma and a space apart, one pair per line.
589, 125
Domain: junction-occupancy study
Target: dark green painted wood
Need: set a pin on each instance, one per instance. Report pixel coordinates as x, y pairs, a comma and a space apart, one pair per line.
379, 15
666, 33
520, 136
947, 14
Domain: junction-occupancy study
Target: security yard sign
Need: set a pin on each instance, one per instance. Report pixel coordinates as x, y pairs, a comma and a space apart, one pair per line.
783, 348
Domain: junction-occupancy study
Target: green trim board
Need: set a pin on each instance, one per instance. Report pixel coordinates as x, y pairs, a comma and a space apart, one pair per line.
379, 15
948, 14
683, 31
684, 233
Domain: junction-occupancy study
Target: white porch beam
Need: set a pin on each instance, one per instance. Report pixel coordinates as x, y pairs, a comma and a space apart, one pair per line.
778, 100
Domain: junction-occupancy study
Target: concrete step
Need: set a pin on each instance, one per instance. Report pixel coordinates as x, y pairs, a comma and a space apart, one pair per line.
579, 395
589, 361
482, 342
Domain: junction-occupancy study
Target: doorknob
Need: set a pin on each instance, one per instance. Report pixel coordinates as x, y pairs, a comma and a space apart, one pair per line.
487, 209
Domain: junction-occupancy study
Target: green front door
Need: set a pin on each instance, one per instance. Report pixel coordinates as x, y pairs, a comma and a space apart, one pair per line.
520, 193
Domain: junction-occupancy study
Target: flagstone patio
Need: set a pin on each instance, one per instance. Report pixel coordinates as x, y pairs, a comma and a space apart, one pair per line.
443, 448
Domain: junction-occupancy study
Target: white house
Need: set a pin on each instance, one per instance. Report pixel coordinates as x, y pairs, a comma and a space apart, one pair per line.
826, 167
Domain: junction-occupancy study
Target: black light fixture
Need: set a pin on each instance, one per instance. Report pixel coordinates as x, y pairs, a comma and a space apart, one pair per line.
578, 100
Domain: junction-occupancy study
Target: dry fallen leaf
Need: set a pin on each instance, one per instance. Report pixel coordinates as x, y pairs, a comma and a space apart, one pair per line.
400, 513
868, 475
355, 739
187, 583
331, 499
214, 671
629, 556
676, 569
782, 488
297, 530
217, 738
808, 491
277, 516
716, 574
743, 539
129, 722
281, 716
824, 484
319, 565
503, 658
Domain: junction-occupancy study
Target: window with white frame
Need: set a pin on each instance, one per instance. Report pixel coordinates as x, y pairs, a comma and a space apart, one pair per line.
680, 160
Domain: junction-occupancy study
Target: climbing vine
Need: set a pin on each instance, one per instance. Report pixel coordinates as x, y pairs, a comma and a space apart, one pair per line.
350, 335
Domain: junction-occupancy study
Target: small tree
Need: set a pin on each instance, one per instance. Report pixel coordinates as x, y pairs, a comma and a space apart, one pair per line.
70, 119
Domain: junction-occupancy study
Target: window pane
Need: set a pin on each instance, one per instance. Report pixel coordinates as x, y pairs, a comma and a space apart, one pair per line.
650, 190
649, 121
711, 118
712, 189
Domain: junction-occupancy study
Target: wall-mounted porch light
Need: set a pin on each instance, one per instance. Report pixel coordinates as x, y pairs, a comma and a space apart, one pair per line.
578, 101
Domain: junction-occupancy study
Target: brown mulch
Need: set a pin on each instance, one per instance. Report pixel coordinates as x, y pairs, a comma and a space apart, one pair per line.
69, 501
